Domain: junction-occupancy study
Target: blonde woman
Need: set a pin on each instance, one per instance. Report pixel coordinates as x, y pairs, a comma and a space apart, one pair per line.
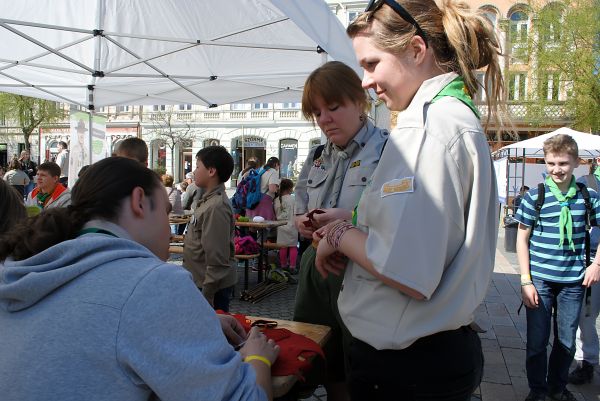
422, 247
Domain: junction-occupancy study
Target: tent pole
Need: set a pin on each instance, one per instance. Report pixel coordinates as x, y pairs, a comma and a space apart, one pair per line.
91, 119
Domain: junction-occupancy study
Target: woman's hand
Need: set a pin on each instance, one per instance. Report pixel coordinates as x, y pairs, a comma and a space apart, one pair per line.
305, 230
232, 329
257, 344
328, 260
330, 215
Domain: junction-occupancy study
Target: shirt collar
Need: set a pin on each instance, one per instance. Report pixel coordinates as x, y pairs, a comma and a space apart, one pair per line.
214, 191
108, 226
414, 114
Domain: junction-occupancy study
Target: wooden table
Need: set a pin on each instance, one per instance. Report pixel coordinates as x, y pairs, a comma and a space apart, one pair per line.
176, 219
317, 333
262, 227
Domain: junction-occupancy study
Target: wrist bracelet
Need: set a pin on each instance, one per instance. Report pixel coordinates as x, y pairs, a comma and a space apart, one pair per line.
335, 234
526, 277
258, 358
526, 283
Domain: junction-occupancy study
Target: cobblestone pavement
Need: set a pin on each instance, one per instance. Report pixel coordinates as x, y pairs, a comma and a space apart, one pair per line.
503, 342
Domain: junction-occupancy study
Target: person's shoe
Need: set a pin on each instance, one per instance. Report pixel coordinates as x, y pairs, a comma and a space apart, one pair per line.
583, 373
533, 396
565, 395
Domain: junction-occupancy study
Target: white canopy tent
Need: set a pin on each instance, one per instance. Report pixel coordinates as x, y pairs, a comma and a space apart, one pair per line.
512, 172
208, 52
588, 144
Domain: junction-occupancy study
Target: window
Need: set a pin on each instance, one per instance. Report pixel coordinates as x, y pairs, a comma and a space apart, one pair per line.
185, 107
159, 107
551, 86
517, 86
240, 106
291, 105
519, 26
122, 109
352, 14
262, 106
491, 15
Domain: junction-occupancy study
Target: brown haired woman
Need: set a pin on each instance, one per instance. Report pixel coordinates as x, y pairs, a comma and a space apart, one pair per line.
423, 244
332, 182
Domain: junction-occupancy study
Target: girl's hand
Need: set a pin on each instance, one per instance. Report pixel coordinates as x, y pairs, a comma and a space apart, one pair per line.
328, 260
257, 344
530, 296
331, 215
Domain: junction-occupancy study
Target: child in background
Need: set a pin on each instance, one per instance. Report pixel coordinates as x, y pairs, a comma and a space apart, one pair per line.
288, 234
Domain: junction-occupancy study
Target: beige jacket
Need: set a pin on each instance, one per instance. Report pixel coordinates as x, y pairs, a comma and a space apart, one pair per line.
209, 250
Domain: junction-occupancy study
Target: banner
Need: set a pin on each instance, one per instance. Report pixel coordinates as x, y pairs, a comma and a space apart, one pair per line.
79, 152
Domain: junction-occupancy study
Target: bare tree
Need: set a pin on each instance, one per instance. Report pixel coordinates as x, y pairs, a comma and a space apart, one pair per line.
168, 128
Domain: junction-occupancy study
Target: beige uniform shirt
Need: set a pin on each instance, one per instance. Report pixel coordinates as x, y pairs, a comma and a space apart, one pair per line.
208, 250
431, 214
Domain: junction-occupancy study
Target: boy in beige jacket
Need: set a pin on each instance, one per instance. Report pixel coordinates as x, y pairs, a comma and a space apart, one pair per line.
209, 250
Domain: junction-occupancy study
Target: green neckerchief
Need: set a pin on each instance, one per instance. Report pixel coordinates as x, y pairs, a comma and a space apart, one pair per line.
565, 222
458, 90
42, 198
597, 173
94, 230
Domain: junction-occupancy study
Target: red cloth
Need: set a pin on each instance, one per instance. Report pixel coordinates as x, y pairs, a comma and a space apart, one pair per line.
296, 350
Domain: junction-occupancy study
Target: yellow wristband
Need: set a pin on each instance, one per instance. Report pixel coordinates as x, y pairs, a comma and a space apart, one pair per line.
258, 358
525, 277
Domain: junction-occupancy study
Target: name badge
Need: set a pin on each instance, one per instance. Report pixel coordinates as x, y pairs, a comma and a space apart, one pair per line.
398, 186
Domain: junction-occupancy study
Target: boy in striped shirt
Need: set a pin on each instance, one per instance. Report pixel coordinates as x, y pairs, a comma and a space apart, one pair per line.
553, 271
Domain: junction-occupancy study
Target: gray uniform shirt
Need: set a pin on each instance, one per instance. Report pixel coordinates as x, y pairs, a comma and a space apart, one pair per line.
311, 189
431, 214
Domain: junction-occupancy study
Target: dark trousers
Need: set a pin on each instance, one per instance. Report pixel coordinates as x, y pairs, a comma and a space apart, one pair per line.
444, 366
552, 376
222, 299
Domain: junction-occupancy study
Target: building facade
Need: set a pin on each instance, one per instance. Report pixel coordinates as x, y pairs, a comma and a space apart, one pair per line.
174, 133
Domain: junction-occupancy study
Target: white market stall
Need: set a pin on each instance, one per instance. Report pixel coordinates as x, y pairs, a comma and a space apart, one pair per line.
210, 52
512, 175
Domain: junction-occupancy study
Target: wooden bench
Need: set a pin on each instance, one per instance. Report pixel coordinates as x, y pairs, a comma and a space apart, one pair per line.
176, 249
274, 246
246, 259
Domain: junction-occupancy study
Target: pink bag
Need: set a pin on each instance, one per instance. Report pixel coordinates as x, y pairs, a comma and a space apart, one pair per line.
245, 245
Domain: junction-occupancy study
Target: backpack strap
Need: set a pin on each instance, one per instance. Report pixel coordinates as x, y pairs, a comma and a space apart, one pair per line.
588, 260
592, 182
539, 203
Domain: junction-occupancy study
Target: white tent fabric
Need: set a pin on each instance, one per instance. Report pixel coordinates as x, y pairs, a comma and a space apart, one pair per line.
207, 52
588, 144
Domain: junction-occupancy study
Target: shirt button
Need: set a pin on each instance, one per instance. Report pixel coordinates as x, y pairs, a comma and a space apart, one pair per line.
364, 179
310, 181
363, 144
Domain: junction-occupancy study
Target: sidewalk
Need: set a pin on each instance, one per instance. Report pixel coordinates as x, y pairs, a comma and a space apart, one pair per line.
503, 343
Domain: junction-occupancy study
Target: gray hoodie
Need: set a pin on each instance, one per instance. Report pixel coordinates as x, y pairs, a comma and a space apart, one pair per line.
101, 318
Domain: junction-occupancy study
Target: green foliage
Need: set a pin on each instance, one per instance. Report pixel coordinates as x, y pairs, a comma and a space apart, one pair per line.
29, 113
564, 49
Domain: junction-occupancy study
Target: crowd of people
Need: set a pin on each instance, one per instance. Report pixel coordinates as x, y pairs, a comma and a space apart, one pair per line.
395, 233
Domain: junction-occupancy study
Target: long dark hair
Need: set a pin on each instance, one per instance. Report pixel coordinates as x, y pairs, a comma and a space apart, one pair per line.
12, 210
97, 194
285, 185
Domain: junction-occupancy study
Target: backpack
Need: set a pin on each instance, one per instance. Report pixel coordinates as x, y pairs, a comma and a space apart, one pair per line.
248, 193
245, 245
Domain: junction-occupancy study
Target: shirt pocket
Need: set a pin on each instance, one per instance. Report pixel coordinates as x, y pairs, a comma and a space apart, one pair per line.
316, 178
359, 176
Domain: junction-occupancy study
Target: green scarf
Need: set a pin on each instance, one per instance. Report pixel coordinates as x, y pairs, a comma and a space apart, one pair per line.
565, 222
42, 198
597, 173
457, 89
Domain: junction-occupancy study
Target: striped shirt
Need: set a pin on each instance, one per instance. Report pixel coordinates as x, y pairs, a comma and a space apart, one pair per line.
548, 261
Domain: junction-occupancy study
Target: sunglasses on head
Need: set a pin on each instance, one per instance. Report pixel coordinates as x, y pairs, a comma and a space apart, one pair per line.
401, 11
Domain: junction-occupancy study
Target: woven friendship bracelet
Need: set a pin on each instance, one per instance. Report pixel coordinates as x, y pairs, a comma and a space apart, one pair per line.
335, 234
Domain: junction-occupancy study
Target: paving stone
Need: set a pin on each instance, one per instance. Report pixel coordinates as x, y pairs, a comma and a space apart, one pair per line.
497, 392
506, 331
511, 342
